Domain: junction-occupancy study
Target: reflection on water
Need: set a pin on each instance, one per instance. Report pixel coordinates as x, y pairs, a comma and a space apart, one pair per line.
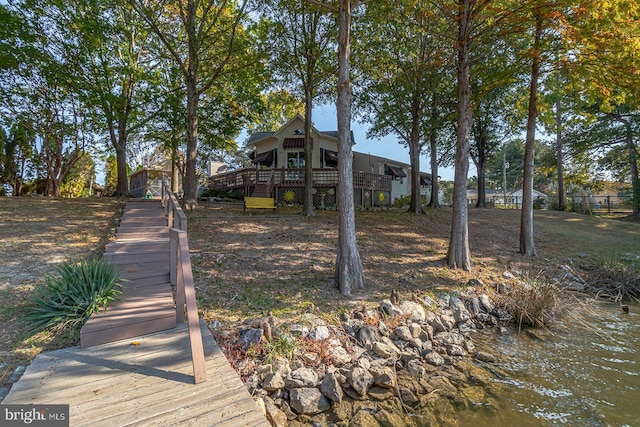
584, 373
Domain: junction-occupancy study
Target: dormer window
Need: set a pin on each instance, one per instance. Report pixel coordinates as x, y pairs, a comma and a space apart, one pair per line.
298, 132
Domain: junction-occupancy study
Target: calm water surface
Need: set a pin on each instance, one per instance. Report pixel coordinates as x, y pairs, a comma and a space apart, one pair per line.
586, 372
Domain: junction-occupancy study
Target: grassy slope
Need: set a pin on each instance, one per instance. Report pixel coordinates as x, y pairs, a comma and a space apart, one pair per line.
36, 234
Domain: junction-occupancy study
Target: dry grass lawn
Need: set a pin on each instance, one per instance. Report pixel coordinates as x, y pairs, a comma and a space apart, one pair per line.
247, 264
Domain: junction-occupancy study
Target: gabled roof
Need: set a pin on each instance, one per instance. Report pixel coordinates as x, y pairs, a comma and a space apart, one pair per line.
258, 136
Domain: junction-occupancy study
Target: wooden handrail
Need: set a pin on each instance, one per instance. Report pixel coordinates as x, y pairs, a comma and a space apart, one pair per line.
186, 295
181, 277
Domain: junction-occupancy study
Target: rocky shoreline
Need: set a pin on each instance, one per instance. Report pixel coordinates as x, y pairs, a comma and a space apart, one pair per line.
391, 365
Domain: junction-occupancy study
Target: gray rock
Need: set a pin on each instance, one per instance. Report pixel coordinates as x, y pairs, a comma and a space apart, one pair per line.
298, 330
427, 332
485, 357
408, 396
250, 337
455, 302
508, 275
352, 326
380, 393
364, 363
574, 286
448, 320
487, 303
319, 333
276, 417
474, 304
281, 366
416, 330
383, 350
301, 377
456, 350
383, 376
461, 315
360, 379
331, 388
339, 356
447, 338
433, 358
386, 307
435, 323
416, 343
403, 333
475, 283
415, 368
469, 346
367, 336
383, 329
308, 401
273, 382
312, 319
413, 310
252, 383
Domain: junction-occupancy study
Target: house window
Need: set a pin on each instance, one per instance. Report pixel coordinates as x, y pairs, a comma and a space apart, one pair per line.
295, 160
328, 158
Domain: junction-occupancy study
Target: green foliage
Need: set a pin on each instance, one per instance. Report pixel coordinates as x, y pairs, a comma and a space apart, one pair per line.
401, 201
76, 182
282, 345
67, 300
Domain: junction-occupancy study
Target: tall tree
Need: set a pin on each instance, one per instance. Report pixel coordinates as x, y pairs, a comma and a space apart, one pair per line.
303, 60
349, 274
206, 40
404, 92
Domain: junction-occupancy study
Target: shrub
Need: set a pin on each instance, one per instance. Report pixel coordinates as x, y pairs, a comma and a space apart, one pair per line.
533, 302
620, 279
70, 298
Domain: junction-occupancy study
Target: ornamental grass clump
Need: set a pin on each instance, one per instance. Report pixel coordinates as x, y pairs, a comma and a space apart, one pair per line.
534, 301
68, 299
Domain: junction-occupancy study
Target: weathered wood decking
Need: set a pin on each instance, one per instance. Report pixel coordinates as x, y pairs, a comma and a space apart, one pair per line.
122, 384
134, 366
141, 253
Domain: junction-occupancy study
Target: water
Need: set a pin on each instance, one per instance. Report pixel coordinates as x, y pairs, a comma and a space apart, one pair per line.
586, 372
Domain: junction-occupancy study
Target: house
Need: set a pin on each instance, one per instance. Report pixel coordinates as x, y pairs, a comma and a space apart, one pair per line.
513, 197
279, 160
148, 180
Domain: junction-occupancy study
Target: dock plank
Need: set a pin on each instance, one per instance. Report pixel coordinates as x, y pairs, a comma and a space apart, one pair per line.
119, 384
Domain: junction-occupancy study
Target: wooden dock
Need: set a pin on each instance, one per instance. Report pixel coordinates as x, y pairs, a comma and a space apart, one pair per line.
134, 366
151, 383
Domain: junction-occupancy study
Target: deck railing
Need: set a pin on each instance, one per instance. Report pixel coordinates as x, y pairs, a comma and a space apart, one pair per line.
181, 277
249, 177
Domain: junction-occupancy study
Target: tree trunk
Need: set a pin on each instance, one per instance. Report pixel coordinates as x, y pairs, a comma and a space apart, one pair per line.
527, 246
415, 205
175, 171
308, 209
349, 274
189, 184
122, 187
482, 187
559, 159
458, 255
435, 188
633, 166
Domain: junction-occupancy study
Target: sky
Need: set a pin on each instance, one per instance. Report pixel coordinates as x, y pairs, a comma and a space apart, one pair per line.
325, 119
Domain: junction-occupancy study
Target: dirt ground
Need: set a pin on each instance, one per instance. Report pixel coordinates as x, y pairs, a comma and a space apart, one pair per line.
247, 264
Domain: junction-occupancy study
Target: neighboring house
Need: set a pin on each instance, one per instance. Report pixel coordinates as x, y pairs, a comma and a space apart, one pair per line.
497, 197
279, 161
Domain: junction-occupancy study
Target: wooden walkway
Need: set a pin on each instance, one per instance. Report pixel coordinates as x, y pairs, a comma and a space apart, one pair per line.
134, 366
149, 384
141, 254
